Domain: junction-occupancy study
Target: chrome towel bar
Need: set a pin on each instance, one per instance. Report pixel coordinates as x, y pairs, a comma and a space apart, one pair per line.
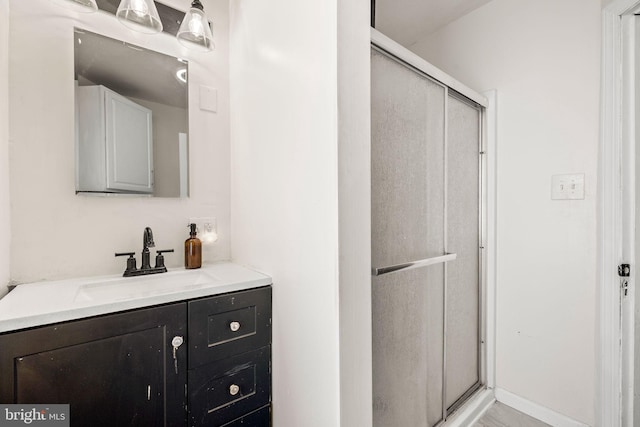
414, 264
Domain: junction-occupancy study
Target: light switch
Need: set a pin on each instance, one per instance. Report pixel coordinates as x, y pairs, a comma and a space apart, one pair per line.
567, 187
208, 99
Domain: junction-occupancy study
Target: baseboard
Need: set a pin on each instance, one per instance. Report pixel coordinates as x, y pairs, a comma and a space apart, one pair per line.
534, 410
472, 410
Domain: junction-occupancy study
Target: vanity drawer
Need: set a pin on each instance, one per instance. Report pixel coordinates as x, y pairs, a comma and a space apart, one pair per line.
229, 389
229, 324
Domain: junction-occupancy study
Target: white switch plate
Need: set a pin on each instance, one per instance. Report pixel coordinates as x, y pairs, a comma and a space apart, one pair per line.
208, 99
567, 187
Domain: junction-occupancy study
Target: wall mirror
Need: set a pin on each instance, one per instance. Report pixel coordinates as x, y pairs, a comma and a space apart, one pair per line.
131, 119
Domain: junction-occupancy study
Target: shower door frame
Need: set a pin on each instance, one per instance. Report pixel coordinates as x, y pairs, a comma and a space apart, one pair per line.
472, 404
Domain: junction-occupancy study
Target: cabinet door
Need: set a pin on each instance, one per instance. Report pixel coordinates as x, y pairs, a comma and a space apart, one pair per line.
129, 138
112, 370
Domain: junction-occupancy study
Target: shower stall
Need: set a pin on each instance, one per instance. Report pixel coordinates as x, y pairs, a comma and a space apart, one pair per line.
427, 242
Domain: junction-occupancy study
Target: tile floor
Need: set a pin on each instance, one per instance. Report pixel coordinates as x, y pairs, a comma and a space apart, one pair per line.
500, 415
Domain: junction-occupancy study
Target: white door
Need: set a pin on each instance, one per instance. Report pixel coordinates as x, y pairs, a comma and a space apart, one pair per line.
183, 165
630, 343
629, 220
618, 378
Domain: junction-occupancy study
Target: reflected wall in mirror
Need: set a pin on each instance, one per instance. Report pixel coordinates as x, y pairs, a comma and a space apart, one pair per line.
131, 119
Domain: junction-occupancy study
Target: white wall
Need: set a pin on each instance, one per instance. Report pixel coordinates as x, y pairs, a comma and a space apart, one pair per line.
284, 201
5, 231
56, 234
168, 122
354, 189
543, 58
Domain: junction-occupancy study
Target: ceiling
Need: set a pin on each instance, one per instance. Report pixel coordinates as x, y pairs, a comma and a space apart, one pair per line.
130, 70
408, 21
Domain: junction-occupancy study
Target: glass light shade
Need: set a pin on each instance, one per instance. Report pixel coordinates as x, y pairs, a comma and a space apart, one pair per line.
82, 6
140, 15
194, 32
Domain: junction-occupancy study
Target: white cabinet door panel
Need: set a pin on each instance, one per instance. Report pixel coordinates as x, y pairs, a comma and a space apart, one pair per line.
114, 143
129, 145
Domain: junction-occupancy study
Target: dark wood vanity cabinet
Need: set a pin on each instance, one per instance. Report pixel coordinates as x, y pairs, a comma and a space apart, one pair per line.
119, 369
112, 370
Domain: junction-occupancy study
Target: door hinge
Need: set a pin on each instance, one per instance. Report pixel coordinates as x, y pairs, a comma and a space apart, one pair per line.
624, 270
624, 286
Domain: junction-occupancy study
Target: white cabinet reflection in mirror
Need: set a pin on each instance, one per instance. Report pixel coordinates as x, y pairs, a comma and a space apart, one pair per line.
115, 143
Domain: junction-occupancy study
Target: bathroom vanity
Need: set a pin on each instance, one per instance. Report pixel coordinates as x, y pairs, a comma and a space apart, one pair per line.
196, 354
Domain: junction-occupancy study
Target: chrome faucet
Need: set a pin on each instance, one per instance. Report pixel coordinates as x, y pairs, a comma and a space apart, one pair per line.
145, 268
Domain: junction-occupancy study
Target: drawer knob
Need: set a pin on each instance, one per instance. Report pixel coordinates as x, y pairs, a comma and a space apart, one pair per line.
234, 326
234, 389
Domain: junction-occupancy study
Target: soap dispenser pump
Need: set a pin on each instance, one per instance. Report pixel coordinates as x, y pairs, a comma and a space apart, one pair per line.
192, 249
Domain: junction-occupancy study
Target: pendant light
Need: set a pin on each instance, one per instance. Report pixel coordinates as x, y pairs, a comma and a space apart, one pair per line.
83, 6
140, 15
194, 31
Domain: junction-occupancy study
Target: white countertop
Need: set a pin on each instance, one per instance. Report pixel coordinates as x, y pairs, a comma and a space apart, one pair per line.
43, 303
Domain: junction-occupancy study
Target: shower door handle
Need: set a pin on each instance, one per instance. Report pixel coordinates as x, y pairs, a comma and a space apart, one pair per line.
414, 264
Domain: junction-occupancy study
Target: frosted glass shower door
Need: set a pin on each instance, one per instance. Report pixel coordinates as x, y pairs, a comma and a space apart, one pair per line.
407, 209
424, 209
463, 237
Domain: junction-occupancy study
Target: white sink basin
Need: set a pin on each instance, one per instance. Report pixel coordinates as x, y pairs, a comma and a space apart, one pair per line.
127, 288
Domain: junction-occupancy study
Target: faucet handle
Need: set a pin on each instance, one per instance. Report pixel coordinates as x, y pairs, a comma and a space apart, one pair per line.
131, 261
160, 257
125, 253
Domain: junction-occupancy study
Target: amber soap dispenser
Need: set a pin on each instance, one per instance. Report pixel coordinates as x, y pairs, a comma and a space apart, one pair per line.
192, 249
